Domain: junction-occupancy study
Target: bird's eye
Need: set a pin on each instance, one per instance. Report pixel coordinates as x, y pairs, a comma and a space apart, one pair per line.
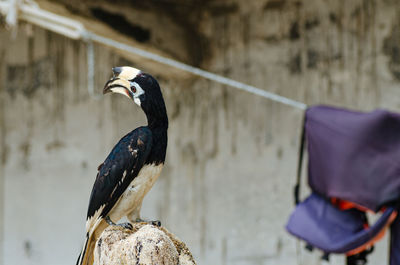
133, 89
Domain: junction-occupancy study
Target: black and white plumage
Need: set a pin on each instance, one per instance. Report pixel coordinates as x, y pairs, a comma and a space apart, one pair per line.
135, 162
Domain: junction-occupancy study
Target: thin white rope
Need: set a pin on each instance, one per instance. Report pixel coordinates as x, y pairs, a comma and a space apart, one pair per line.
196, 71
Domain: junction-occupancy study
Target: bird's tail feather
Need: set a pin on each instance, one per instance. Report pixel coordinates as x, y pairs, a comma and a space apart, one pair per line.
82, 255
86, 257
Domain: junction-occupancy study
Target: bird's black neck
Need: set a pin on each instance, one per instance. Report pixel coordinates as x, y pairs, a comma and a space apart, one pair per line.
158, 124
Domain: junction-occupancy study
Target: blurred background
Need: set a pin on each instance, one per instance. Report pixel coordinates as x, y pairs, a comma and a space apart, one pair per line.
226, 189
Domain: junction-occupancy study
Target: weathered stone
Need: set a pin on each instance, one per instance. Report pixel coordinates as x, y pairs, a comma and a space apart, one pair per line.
145, 245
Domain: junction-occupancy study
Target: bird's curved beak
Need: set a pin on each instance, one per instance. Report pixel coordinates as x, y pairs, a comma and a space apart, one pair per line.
118, 84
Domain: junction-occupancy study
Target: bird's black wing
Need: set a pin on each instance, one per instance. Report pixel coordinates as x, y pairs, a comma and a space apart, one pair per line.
118, 170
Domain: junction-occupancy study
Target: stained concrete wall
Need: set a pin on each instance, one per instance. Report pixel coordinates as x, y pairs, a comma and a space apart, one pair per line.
226, 189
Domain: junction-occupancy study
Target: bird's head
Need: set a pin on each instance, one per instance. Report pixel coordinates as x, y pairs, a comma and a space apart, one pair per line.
141, 87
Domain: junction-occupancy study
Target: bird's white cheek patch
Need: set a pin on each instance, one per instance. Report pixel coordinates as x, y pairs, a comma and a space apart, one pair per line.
138, 91
137, 101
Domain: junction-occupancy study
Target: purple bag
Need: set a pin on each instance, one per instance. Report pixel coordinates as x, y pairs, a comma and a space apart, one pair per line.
354, 160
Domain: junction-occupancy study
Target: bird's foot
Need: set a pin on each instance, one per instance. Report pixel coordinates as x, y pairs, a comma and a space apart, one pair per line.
156, 223
123, 225
126, 225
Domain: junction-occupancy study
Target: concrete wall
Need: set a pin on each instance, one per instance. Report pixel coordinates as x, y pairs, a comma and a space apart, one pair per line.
226, 189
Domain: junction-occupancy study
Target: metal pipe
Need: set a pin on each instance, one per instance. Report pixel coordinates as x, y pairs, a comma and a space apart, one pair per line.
12, 16
47, 20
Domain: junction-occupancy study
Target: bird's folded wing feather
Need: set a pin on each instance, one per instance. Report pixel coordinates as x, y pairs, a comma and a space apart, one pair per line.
118, 170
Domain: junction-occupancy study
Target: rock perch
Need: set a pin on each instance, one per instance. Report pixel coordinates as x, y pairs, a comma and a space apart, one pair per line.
145, 244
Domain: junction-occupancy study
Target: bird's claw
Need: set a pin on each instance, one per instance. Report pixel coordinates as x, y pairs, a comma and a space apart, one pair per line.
123, 225
156, 223
126, 226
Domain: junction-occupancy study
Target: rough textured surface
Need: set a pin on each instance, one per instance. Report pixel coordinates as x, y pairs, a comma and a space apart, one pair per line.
231, 156
145, 244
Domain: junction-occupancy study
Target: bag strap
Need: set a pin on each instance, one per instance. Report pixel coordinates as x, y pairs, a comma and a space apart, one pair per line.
360, 258
395, 240
300, 163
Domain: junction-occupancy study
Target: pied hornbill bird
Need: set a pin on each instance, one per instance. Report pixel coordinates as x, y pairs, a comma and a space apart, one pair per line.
133, 165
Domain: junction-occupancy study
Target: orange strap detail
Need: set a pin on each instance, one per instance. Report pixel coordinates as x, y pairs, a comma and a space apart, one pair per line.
375, 239
346, 205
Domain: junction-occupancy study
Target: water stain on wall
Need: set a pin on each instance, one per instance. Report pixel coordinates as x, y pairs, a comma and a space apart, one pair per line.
275, 5
391, 47
28, 248
4, 149
25, 149
27, 79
